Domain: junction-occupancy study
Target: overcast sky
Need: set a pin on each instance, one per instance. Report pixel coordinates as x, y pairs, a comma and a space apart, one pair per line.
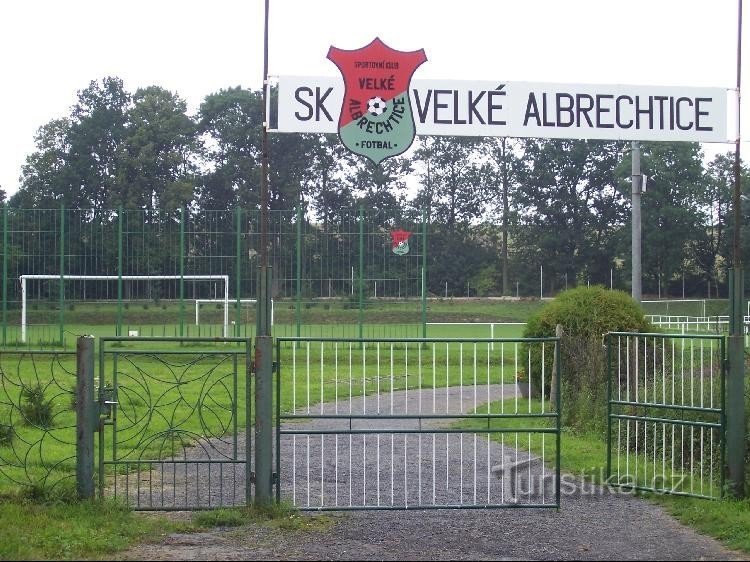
53, 48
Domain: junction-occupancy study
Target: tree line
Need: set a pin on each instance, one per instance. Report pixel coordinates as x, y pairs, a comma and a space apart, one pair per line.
499, 208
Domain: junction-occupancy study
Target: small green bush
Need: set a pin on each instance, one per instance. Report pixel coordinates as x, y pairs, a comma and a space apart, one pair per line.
36, 409
586, 314
7, 434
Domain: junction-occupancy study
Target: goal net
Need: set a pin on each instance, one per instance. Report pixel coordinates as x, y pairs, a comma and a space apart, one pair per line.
227, 306
220, 284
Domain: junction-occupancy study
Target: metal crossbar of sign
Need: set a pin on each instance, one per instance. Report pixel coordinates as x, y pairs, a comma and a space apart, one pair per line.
174, 434
417, 423
666, 413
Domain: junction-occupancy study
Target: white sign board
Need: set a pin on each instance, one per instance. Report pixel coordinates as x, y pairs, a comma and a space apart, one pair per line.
525, 109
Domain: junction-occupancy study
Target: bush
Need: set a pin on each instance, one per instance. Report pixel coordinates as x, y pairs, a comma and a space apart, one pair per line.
585, 314
37, 410
7, 434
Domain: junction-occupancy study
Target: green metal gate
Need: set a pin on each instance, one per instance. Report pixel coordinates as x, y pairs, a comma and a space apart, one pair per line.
175, 434
417, 423
666, 413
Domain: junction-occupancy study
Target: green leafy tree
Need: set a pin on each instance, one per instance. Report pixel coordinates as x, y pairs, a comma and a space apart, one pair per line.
98, 127
156, 158
671, 214
570, 210
229, 123
502, 164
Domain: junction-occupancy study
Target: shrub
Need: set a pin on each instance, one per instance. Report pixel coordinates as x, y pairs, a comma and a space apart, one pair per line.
36, 409
585, 314
7, 434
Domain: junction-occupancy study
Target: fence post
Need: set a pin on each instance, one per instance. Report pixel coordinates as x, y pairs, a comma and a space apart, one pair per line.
85, 417
238, 273
5, 272
182, 271
118, 329
298, 289
555, 383
62, 274
361, 270
424, 273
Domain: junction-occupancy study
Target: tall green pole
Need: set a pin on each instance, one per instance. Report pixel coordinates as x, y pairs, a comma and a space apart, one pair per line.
238, 269
425, 218
182, 271
263, 339
298, 305
361, 270
120, 213
5, 271
735, 406
62, 273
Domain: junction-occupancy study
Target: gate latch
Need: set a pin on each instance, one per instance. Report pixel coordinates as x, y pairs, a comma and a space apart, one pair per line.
106, 401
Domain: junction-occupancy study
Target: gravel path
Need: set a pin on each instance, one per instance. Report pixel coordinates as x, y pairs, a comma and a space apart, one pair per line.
592, 523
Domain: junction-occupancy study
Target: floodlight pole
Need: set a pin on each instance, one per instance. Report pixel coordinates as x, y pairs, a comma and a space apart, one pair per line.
735, 403
635, 252
263, 342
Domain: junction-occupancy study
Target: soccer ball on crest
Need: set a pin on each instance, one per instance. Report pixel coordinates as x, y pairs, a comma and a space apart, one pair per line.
376, 106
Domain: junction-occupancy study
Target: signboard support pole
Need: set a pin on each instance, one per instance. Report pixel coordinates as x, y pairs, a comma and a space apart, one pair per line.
636, 177
735, 406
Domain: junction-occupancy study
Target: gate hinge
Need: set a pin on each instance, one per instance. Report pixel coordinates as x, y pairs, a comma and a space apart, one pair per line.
274, 367
274, 478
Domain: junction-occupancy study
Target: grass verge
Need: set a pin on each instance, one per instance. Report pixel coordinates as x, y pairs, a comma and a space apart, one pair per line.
73, 531
281, 516
96, 530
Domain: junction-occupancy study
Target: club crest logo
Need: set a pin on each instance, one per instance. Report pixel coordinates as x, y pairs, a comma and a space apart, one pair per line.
400, 242
376, 118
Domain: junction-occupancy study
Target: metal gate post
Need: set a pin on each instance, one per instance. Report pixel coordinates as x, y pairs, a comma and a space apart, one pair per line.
735, 397
263, 419
85, 417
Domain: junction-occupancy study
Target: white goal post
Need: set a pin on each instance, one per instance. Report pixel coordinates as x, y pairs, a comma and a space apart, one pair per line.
199, 302
224, 278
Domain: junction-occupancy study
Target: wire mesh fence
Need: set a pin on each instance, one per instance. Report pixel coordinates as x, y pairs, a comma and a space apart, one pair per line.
121, 272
